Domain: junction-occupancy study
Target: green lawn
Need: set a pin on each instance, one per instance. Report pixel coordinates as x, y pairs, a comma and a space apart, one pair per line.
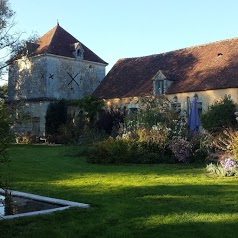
126, 200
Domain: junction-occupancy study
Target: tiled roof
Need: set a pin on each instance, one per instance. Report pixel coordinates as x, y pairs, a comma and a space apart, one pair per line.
205, 67
58, 41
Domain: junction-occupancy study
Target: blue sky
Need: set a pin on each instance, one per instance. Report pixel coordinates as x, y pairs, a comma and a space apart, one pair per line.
116, 29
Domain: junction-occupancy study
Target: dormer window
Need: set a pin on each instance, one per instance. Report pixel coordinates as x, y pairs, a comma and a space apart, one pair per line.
77, 50
158, 87
161, 82
79, 53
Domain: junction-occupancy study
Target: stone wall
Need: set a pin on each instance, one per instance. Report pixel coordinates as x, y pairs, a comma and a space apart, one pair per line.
72, 79
25, 79
205, 99
54, 77
30, 118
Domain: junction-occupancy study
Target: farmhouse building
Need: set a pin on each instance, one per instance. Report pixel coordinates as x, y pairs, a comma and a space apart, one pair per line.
208, 71
56, 66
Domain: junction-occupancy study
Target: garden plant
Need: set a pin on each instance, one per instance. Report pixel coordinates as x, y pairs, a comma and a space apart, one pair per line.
155, 134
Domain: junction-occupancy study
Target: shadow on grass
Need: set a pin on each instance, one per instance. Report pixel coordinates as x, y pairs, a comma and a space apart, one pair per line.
151, 200
194, 230
153, 211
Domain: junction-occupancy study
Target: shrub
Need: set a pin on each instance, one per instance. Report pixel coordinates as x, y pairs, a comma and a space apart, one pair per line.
118, 151
152, 144
110, 121
152, 153
226, 168
227, 143
201, 147
158, 135
219, 116
90, 136
152, 111
181, 148
109, 151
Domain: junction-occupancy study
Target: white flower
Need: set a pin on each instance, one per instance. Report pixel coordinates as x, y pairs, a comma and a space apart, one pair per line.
154, 127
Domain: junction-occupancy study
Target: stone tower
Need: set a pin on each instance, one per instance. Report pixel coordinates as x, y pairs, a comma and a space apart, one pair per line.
56, 66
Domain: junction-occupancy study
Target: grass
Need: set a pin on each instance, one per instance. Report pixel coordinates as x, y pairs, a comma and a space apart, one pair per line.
126, 200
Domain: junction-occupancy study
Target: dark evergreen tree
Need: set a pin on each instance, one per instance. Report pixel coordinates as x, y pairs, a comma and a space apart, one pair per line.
56, 116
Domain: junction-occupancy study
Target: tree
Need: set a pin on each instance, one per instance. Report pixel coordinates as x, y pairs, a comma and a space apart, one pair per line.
3, 92
90, 106
11, 43
5, 137
4, 132
220, 116
7, 38
56, 116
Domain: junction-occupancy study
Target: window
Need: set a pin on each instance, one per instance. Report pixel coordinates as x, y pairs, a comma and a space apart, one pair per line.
159, 87
36, 125
133, 110
176, 106
79, 53
199, 109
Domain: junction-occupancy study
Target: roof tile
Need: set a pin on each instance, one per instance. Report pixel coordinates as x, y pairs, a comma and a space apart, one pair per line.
57, 41
205, 67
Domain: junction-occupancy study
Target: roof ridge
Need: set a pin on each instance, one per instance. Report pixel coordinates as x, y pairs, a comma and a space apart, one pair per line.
58, 41
53, 35
210, 43
177, 50
52, 32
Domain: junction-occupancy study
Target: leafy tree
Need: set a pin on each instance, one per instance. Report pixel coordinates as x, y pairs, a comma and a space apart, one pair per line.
90, 106
5, 137
3, 92
7, 38
219, 116
56, 116
11, 43
21, 47
4, 132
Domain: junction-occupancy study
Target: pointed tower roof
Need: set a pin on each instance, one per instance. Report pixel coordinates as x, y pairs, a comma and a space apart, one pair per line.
58, 41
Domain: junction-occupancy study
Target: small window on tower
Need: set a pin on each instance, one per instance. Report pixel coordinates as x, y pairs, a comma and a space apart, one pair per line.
79, 53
